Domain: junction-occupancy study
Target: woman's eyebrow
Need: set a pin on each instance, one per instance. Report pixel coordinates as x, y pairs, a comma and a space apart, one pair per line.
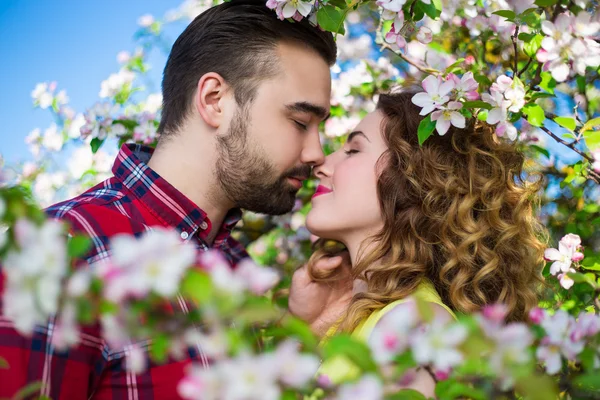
353, 134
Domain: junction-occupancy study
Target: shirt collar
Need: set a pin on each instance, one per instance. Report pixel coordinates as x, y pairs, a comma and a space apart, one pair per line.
162, 198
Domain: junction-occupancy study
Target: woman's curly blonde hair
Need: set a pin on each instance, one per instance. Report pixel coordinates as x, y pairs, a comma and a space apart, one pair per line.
458, 210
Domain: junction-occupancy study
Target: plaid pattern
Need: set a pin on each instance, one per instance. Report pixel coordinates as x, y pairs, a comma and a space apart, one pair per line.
133, 201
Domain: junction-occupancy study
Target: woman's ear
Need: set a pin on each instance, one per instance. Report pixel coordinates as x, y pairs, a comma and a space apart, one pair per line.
210, 98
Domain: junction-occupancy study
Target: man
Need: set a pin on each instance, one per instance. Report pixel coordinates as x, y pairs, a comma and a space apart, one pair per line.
243, 96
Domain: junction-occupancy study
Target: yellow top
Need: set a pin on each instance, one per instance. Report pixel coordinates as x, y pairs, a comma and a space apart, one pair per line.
340, 369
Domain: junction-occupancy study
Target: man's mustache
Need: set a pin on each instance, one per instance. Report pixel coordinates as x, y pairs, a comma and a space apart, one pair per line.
301, 172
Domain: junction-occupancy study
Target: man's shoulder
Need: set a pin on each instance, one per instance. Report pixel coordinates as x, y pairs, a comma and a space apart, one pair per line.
101, 212
103, 196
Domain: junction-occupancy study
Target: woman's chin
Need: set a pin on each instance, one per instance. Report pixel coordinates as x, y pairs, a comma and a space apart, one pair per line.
318, 227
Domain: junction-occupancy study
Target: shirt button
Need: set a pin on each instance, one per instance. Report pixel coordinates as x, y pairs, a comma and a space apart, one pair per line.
184, 235
203, 225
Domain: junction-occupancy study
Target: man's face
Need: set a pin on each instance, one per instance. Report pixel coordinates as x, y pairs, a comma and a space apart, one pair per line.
272, 143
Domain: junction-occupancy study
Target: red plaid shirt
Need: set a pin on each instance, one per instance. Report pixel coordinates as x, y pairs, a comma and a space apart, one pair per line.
132, 201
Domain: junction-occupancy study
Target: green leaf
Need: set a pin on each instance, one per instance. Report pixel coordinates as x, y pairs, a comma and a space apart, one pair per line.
357, 351
298, 328
540, 150
537, 387
482, 115
406, 394
197, 286
455, 64
545, 3
426, 128
331, 19
438, 5
530, 19
590, 125
592, 140
289, 394
477, 104
535, 114
526, 37
28, 391
483, 80
566, 122
532, 45
3, 363
581, 84
452, 389
159, 348
540, 95
78, 245
508, 14
429, 9
592, 267
95, 144
548, 83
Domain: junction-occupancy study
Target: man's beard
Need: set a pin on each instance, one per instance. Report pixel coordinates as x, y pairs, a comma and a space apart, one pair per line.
247, 176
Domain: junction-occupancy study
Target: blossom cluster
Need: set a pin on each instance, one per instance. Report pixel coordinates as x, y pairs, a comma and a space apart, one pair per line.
570, 45
442, 98
568, 253
251, 377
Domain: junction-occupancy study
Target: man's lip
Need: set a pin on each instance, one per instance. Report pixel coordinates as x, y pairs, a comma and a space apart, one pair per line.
297, 182
321, 190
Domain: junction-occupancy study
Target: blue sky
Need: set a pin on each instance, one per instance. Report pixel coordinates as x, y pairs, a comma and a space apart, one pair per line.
72, 42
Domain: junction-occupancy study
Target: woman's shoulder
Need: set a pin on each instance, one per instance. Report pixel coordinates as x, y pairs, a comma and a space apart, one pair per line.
425, 291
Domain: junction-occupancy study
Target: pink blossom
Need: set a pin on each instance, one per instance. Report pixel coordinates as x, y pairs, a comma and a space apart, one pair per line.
465, 87
448, 116
558, 341
567, 252
391, 5
536, 315
436, 94
596, 163
424, 35
395, 35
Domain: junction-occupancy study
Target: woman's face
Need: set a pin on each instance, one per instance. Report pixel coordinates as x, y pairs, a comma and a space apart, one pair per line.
346, 205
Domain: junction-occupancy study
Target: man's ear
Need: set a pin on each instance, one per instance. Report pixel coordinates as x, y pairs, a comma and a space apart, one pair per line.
210, 98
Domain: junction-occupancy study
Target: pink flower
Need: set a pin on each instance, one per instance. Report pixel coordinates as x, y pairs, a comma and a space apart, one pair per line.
596, 163
565, 280
394, 35
391, 5
587, 325
436, 94
448, 116
424, 35
558, 341
537, 315
495, 312
566, 253
465, 87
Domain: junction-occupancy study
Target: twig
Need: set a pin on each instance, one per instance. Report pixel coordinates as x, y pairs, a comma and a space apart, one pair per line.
525, 67
411, 61
569, 145
514, 40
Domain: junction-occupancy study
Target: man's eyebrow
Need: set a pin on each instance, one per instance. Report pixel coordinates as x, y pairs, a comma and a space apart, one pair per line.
353, 134
306, 107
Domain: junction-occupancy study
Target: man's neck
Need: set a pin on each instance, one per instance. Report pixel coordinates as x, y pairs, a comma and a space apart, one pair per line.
189, 168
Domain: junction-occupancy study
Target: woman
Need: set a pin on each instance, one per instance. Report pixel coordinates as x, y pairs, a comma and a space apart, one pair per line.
451, 221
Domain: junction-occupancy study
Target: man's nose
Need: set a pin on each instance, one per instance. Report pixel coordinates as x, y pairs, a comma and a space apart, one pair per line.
312, 153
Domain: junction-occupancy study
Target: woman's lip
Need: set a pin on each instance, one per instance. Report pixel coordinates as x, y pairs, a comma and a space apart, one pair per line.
321, 190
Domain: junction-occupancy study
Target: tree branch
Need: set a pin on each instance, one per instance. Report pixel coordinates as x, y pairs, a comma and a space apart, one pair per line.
412, 62
569, 145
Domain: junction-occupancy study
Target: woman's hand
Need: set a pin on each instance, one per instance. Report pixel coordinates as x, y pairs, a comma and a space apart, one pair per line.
321, 304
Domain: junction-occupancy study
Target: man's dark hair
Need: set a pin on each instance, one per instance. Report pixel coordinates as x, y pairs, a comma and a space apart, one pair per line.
237, 40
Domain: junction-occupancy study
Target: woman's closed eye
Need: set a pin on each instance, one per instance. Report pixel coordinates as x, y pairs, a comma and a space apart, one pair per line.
350, 152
